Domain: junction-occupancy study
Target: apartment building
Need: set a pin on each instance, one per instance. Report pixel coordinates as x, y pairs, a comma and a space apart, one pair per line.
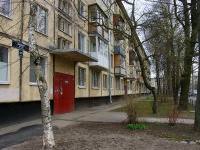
83, 61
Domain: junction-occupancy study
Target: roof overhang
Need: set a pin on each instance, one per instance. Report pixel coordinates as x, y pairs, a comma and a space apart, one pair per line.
74, 55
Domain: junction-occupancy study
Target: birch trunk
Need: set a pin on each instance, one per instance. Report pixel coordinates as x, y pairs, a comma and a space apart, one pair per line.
48, 138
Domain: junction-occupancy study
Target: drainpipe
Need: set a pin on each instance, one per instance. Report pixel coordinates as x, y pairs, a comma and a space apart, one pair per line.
20, 60
109, 61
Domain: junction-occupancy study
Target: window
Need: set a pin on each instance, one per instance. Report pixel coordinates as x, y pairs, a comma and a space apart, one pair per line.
117, 83
4, 64
111, 82
122, 84
81, 76
81, 42
81, 8
6, 7
105, 81
111, 57
64, 25
32, 72
65, 7
63, 43
41, 20
131, 85
95, 79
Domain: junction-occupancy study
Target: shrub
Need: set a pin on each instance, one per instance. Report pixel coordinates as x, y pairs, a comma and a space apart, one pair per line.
131, 109
137, 127
172, 114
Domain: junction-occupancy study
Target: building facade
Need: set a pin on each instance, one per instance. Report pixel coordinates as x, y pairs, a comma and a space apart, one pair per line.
81, 57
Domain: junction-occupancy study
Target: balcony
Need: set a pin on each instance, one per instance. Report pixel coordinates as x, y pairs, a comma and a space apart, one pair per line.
119, 71
119, 24
102, 61
99, 51
119, 50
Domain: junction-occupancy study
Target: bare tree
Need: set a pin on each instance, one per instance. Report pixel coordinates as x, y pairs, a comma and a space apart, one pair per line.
186, 15
139, 49
48, 138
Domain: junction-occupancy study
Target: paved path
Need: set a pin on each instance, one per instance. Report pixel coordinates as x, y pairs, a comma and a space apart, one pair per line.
15, 134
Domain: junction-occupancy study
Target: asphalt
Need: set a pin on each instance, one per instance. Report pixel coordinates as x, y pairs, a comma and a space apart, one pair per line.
100, 114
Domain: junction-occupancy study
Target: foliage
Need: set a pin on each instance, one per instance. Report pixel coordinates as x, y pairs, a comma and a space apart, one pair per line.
163, 108
137, 126
133, 109
172, 114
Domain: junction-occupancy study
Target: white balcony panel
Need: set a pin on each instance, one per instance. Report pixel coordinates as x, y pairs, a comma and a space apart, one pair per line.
119, 71
102, 60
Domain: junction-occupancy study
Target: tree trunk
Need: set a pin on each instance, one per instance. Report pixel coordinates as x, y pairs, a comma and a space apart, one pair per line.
48, 138
190, 41
197, 106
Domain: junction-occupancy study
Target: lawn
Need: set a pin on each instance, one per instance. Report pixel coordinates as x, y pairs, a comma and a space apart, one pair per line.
145, 109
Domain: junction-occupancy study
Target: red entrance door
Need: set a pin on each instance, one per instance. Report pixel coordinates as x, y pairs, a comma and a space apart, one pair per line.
63, 93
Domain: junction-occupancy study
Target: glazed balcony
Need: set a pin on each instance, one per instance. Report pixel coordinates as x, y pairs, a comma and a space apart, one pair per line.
119, 71
119, 50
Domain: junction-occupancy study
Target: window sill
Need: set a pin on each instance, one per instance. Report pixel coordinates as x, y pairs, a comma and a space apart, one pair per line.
95, 88
65, 32
104, 88
81, 87
8, 17
32, 83
4, 82
82, 17
41, 33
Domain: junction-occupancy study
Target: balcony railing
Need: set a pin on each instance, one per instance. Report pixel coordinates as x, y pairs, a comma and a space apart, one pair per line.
119, 71
102, 60
119, 50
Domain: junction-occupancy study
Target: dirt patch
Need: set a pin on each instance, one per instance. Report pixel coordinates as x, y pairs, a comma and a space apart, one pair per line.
106, 136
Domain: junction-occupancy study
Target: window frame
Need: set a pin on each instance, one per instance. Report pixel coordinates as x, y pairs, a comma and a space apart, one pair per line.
117, 83
60, 43
81, 13
45, 70
81, 70
81, 46
68, 7
10, 10
8, 66
46, 19
95, 80
64, 25
105, 81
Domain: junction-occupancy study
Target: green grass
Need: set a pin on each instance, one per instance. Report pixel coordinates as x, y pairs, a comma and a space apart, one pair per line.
138, 126
145, 108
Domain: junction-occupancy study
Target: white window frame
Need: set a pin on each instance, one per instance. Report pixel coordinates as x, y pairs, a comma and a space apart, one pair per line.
111, 82
81, 42
81, 77
105, 81
81, 6
60, 43
95, 79
68, 7
117, 83
8, 68
64, 25
45, 70
9, 15
38, 17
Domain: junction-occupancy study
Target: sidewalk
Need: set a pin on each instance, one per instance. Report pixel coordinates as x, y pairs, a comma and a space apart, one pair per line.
99, 114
